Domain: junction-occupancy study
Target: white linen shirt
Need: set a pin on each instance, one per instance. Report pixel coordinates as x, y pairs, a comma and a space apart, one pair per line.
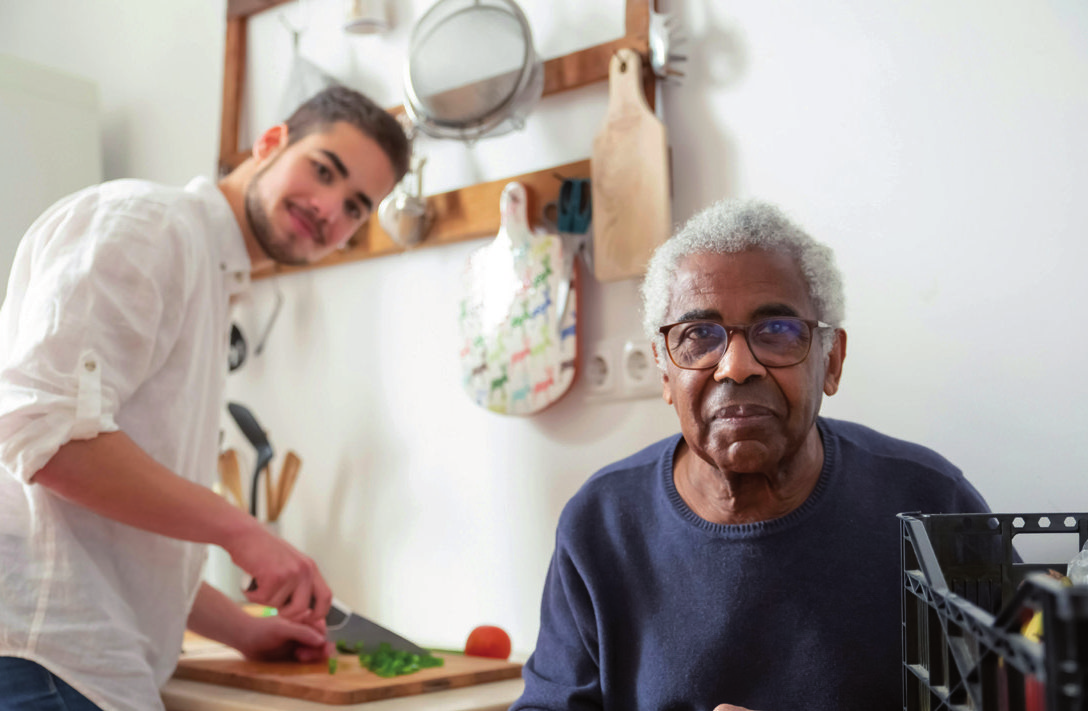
116, 317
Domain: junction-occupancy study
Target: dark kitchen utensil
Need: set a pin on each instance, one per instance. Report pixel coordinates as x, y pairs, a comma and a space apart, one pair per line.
571, 212
574, 205
237, 354
257, 437
271, 320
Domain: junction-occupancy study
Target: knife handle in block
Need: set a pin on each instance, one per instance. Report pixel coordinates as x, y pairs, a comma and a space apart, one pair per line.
288, 475
231, 477
270, 502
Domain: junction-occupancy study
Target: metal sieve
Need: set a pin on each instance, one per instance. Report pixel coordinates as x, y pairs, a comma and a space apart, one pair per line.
472, 70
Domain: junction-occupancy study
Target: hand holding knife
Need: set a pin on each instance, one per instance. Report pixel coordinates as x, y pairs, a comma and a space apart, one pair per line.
282, 576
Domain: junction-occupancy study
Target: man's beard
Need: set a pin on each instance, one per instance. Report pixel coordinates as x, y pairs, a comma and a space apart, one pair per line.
261, 227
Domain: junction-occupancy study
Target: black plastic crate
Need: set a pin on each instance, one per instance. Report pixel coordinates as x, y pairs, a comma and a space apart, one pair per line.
967, 595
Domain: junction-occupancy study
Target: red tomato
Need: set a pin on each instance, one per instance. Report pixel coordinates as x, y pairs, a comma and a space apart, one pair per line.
488, 641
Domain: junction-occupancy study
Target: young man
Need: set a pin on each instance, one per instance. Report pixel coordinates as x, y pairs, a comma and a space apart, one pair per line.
113, 351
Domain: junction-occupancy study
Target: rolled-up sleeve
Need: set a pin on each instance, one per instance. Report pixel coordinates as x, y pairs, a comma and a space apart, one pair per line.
80, 324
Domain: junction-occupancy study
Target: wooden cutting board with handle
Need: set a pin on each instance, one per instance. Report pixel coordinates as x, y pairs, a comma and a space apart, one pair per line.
630, 168
518, 316
351, 684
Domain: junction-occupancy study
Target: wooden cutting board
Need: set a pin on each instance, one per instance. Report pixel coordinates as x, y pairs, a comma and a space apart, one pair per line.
630, 167
351, 684
518, 316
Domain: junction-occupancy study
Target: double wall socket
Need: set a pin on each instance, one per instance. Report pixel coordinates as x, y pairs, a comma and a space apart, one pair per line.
618, 369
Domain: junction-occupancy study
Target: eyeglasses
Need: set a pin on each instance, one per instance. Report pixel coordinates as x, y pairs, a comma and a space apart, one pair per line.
777, 342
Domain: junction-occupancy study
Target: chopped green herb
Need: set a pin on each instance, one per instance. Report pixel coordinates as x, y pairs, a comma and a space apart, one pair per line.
333, 661
388, 662
348, 648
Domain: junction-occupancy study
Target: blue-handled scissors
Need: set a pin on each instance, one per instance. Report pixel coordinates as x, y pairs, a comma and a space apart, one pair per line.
573, 209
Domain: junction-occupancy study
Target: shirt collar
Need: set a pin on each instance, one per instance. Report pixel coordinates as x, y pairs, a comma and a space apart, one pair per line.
234, 262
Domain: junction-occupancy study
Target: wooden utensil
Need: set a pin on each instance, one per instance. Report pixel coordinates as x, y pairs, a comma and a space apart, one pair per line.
231, 476
519, 354
351, 684
270, 490
630, 168
286, 482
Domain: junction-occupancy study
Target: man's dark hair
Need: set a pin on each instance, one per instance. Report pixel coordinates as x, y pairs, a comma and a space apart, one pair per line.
339, 103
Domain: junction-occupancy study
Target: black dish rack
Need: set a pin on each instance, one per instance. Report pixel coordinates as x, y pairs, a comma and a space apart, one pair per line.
966, 598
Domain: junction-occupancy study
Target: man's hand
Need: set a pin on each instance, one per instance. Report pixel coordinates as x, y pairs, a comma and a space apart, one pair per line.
729, 707
217, 617
283, 577
274, 639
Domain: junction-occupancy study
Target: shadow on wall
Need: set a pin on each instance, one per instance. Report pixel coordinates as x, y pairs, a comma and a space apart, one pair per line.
704, 156
355, 532
117, 132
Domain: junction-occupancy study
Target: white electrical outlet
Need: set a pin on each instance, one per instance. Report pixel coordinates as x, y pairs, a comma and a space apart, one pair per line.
617, 369
600, 371
640, 375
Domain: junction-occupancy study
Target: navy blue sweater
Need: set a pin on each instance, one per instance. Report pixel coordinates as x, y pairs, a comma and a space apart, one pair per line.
648, 606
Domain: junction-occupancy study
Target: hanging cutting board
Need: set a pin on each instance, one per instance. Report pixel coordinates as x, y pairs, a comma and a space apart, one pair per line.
630, 168
518, 316
351, 684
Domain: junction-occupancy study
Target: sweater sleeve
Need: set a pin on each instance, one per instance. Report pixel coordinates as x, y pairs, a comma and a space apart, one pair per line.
564, 669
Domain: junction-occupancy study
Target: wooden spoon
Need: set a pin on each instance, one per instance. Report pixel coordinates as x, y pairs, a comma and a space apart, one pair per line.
286, 482
271, 502
231, 477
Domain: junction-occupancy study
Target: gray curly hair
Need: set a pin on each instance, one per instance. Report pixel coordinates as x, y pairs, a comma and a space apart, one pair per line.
730, 226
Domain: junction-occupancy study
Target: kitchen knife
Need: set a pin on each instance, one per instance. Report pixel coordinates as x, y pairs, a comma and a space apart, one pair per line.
347, 627
343, 625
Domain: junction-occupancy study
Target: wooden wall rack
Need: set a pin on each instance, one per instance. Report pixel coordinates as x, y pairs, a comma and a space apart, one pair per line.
466, 213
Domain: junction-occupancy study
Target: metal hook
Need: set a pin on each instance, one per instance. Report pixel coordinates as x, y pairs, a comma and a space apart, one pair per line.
296, 30
271, 320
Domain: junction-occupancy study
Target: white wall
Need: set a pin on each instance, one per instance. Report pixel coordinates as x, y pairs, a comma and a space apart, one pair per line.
49, 121
938, 147
159, 68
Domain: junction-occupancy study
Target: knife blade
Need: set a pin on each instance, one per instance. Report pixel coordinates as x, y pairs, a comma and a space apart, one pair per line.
346, 626
342, 624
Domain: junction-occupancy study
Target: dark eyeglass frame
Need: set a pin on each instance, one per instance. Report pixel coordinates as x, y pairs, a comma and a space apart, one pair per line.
813, 326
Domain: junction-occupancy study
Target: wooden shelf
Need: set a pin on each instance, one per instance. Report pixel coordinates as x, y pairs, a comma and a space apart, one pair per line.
460, 215
467, 213
245, 8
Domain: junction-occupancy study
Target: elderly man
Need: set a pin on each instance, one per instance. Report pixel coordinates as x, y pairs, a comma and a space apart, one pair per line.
751, 561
